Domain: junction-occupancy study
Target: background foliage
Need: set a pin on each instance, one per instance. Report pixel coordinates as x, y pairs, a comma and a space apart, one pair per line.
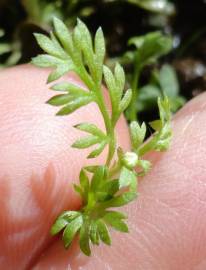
121, 20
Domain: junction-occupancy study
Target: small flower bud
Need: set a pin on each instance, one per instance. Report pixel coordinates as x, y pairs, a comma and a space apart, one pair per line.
130, 160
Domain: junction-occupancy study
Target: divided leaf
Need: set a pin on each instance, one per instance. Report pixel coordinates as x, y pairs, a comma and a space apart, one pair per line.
97, 137
83, 41
71, 52
164, 138
98, 188
75, 98
93, 233
61, 69
137, 134
116, 222
45, 60
75, 104
68, 87
151, 46
98, 178
60, 100
63, 35
99, 47
62, 65
84, 184
103, 232
95, 153
84, 240
59, 225
115, 85
50, 46
115, 215
164, 109
119, 200
119, 78
108, 189
86, 142
113, 90
160, 141
124, 103
56, 57
92, 129
63, 220
128, 178
71, 229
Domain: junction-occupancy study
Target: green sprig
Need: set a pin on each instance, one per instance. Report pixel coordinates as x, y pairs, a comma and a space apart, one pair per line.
102, 188
148, 49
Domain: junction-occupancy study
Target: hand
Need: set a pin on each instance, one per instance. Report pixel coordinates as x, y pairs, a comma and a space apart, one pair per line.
37, 167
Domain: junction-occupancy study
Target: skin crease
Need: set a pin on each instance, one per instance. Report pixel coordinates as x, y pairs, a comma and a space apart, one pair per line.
37, 166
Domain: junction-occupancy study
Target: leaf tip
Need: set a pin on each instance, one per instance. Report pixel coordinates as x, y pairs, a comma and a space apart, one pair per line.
55, 20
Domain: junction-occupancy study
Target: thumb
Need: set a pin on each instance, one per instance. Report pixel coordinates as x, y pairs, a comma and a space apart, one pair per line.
168, 222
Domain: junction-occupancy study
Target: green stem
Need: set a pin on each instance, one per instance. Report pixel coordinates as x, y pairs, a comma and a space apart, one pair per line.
81, 71
33, 9
108, 125
97, 89
112, 147
132, 110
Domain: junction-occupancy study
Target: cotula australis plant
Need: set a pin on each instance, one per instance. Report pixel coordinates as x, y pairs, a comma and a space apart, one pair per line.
105, 187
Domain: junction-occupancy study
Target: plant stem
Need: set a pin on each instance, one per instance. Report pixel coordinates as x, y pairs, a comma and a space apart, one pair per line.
132, 110
97, 89
108, 125
81, 71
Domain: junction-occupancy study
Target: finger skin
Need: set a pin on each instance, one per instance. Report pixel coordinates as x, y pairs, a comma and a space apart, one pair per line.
37, 163
168, 221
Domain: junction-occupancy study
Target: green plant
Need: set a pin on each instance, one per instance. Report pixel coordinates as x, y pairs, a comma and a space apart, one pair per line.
162, 82
11, 49
41, 12
148, 49
105, 187
4, 47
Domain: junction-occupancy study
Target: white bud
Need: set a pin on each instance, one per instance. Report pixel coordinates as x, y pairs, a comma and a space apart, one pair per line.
130, 160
